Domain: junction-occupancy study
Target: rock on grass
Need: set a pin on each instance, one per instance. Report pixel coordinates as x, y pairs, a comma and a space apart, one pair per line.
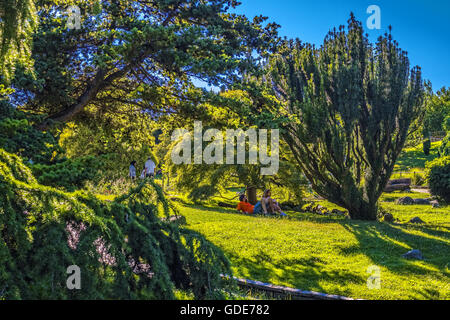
405, 201
416, 220
413, 255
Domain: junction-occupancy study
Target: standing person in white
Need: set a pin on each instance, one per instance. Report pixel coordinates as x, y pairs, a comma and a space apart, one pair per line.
132, 170
150, 168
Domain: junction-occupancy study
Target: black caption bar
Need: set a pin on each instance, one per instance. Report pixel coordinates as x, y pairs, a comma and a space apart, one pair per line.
249, 309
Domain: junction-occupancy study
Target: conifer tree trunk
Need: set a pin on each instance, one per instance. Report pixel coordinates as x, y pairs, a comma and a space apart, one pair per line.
251, 195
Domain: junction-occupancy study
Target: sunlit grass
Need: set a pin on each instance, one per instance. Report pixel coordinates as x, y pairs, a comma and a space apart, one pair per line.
413, 159
332, 254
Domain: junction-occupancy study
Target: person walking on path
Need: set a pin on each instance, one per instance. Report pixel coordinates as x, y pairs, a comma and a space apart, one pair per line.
132, 171
142, 176
150, 168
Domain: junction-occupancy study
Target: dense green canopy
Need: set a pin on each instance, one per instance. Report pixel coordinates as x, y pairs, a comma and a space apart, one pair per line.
137, 52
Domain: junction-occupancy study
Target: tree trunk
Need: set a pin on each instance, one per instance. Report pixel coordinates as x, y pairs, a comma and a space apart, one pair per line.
98, 84
361, 205
251, 195
365, 211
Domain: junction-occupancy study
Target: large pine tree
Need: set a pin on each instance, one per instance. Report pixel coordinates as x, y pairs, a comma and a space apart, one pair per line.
138, 52
344, 110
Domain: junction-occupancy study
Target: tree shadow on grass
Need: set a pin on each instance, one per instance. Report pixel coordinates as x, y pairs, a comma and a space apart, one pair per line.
428, 294
215, 209
416, 158
431, 229
382, 243
385, 244
300, 273
313, 217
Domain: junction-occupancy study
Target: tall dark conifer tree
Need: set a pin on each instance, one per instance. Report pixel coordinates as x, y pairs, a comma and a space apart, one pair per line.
344, 110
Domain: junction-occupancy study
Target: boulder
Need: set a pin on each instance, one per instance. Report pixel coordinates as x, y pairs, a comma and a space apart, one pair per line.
405, 201
416, 220
421, 201
388, 217
399, 181
413, 254
339, 212
398, 185
435, 204
318, 209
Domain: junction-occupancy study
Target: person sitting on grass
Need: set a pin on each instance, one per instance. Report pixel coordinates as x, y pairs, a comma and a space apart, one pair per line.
269, 205
244, 206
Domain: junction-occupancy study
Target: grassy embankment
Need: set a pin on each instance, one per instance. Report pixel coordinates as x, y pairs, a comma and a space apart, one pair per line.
332, 254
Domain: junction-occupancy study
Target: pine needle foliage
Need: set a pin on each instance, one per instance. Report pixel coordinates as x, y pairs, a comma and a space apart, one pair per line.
18, 19
123, 248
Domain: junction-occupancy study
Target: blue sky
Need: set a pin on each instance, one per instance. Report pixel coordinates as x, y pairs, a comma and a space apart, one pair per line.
421, 27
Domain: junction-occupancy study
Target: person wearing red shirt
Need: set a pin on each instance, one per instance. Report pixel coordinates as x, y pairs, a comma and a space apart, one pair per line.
244, 206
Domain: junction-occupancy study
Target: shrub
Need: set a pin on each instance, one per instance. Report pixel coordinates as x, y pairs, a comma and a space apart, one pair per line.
446, 124
70, 174
18, 136
438, 176
44, 155
427, 147
418, 179
444, 150
123, 249
202, 193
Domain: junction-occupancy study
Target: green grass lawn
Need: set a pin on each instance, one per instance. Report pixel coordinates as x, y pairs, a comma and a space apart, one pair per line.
414, 158
434, 217
332, 254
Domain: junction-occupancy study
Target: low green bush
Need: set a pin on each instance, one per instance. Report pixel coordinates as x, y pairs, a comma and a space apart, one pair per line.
42, 153
69, 174
438, 177
427, 147
418, 179
444, 150
18, 136
123, 249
